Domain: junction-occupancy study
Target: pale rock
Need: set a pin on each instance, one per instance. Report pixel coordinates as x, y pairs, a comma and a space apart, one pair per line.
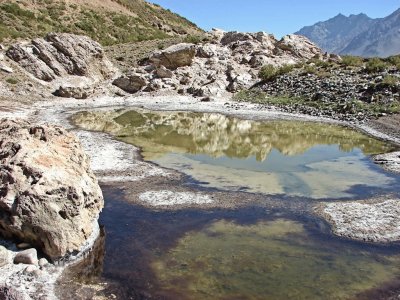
299, 46
27, 257
61, 54
30, 269
175, 56
43, 262
6, 69
77, 92
5, 256
49, 197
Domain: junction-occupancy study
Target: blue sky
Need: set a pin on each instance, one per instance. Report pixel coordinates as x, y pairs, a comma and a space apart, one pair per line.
278, 17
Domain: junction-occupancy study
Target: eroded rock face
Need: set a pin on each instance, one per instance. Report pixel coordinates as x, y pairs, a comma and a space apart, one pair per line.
49, 197
229, 63
61, 54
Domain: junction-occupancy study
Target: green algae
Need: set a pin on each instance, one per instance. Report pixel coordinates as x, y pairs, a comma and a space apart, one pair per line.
272, 157
267, 260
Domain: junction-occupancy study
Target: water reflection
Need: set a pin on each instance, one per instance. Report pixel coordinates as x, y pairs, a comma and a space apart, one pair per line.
276, 157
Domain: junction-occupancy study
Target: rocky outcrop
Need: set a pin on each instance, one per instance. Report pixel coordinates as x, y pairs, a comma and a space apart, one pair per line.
76, 92
230, 62
49, 197
369, 222
61, 54
173, 57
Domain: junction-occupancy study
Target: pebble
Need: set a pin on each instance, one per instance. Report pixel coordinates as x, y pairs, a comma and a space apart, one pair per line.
28, 257
43, 262
30, 269
5, 256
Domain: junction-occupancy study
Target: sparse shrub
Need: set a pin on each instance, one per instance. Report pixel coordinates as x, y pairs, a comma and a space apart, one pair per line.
267, 72
193, 39
395, 61
310, 69
390, 80
352, 61
375, 65
12, 80
285, 69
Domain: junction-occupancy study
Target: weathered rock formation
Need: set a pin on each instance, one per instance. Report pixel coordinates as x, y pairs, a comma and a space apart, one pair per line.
230, 62
49, 197
61, 54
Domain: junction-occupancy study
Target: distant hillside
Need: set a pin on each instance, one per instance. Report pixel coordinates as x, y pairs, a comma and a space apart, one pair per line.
357, 35
106, 21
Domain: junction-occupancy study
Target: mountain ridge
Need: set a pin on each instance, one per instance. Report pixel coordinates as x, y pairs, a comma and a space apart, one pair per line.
357, 35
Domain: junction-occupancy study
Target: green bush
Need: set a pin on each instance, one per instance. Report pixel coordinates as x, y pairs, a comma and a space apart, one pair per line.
270, 72
375, 65
193, 39
352, 61
12, 80
267, 72
390, 80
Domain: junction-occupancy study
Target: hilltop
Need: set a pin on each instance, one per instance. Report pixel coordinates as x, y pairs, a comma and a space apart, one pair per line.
108, 22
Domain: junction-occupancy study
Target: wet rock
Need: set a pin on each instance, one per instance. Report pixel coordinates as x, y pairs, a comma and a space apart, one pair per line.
5, 256
9, 293
173, 57
49, 196
61, 54
27, 257
130, 83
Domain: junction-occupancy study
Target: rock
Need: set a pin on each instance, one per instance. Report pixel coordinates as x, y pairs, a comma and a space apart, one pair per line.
173, 57
27, 257
6, 69
390, 161
61, 54
43, 262
49, 197
234, 36
2, 47
370, 222
76, 92
30, 269
9, 293
5, 256
24, 246
299, 46
130, 83
163, 72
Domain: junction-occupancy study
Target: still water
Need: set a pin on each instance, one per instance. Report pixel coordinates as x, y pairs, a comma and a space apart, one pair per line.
251, 252
304, 159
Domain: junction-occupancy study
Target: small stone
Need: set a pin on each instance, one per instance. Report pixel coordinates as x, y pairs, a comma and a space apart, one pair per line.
5, 256
28, 257
205, 99
24, 246
6, 69
43, 262
37, 273
30, 269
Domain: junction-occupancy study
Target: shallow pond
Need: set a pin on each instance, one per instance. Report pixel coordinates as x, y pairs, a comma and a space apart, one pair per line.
249, 253
304, 159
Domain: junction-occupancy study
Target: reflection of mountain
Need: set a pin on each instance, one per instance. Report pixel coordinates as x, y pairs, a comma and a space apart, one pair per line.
218, 135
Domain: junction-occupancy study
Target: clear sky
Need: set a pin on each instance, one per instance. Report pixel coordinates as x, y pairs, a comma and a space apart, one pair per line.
279, 17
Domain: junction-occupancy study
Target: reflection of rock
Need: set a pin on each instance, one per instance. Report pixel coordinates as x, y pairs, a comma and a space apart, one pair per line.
49, 197
218, 135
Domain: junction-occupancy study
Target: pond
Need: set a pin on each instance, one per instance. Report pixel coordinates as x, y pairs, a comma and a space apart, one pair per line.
251, 252
292, 158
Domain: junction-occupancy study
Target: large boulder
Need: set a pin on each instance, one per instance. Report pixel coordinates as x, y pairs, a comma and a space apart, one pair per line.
299, 46
173, 57
61, 54
49, 197
130, 83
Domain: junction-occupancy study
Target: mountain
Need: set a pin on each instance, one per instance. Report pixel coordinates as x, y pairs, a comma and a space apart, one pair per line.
106, 21
357, 35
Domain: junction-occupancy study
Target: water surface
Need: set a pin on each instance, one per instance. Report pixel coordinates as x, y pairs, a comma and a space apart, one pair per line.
271, 157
